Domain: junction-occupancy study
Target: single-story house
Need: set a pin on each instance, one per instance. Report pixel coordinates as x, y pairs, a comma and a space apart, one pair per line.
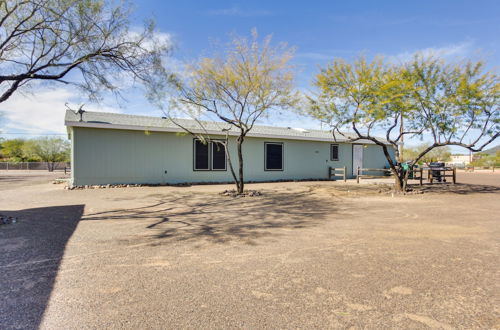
112, 148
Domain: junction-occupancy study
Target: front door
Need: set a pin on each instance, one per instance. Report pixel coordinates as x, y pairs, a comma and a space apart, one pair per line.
357, 158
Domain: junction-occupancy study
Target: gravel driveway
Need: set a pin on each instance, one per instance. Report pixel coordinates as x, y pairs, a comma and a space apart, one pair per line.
302, 255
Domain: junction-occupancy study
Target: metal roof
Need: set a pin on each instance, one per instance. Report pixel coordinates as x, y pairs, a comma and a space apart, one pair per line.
134, 122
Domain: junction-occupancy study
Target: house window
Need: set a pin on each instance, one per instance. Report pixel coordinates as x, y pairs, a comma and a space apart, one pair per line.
201, 156
334, 152
218, 157
209, 156
273, 156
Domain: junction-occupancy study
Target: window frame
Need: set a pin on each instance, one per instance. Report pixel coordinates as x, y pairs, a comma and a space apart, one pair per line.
331, 152
210, 158
194, 157
282, 157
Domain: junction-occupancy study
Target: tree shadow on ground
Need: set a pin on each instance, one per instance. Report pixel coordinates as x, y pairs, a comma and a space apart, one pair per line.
458, 188
11, 178
354, 190
31, 251
220, 219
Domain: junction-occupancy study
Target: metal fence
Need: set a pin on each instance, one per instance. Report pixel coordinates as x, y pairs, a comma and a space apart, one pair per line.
34, 166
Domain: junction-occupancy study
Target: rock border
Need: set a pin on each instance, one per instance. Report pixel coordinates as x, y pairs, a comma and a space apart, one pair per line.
246, 193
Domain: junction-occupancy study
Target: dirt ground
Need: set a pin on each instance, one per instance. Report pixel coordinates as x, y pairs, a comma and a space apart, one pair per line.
302, 255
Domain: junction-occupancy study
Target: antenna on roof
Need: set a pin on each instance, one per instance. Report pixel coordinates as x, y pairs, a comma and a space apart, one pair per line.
80, 110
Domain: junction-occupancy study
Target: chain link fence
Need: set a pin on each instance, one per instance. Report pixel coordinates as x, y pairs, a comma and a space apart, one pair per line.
35, 166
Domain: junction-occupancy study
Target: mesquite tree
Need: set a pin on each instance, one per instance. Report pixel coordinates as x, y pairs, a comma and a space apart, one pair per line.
46, 40
50, 150
236, 88
450, 104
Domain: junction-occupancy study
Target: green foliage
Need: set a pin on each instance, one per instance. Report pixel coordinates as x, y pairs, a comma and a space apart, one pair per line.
14, 150
244, 82
456, 101
45, 149
488, 160
361, 95
450, 103
238, 84
48, 149
442, 154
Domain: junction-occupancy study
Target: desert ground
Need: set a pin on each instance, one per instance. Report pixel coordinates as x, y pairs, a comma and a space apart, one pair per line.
301, 255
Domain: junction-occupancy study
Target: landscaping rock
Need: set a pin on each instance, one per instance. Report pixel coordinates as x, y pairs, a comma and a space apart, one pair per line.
246, 193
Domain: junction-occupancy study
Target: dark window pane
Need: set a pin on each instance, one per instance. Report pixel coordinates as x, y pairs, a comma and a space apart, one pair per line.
335, 152
274, 156
218, 156
200, 156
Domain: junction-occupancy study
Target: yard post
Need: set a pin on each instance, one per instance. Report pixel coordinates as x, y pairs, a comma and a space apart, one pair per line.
329, 172
357, 175
421, 176
7, 166
454, 175
345, 174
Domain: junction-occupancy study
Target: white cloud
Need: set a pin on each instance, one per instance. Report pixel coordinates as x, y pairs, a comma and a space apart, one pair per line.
236, 11
43, 111
159, 38
459, 50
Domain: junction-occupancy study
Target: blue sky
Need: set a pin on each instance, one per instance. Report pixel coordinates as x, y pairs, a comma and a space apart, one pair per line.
320, 30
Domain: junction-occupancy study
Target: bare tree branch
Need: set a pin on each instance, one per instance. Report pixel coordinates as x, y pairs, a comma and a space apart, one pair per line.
45, 40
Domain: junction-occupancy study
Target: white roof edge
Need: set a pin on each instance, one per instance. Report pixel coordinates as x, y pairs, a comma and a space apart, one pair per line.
211, 132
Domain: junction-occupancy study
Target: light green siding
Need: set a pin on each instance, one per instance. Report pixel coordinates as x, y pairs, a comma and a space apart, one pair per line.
102, 156
373, 157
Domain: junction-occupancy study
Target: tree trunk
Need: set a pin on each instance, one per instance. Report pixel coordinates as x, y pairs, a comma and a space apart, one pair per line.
399, 182
401, 179
241, 183
231, 168
397, 170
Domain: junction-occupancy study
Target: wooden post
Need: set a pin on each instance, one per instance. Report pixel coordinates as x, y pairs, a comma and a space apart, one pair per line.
329, 172
345, 174
421, 176
357, 175
454, 175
